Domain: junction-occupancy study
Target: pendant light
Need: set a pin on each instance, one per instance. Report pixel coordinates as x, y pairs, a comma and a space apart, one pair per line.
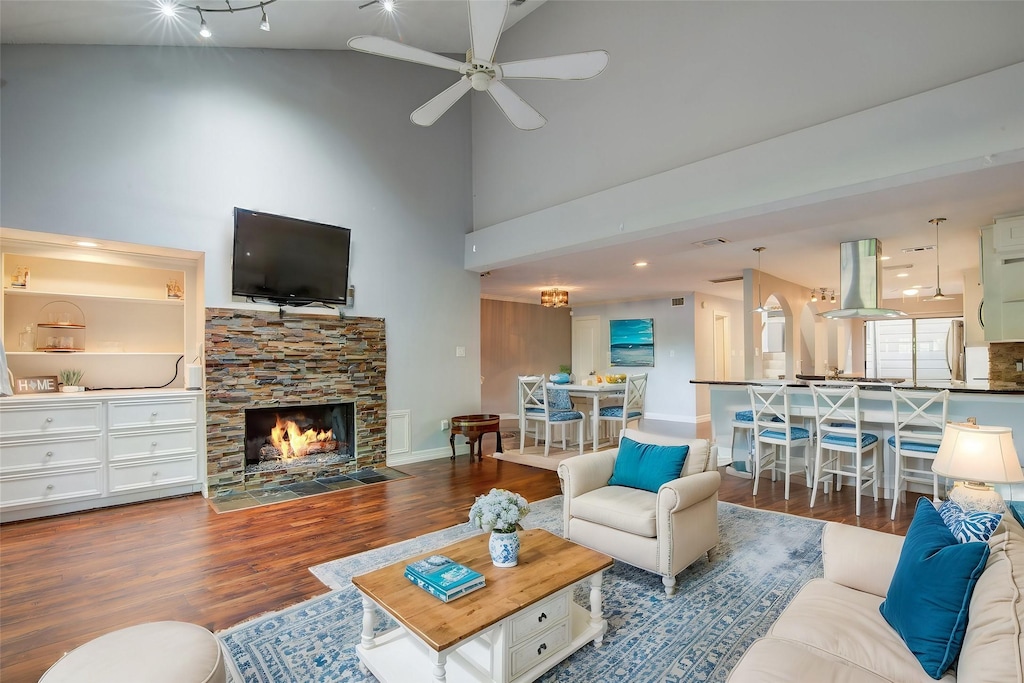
939, 296
760, 302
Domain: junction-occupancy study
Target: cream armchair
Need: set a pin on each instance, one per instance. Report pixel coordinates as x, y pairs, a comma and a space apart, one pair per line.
661, 532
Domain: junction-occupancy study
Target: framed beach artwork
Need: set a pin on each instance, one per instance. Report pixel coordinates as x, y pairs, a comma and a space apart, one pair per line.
632, 342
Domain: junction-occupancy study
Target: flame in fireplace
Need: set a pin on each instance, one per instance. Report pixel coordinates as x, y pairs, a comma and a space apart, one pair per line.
293, 442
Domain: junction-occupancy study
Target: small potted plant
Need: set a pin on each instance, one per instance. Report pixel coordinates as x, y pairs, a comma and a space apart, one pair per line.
70, 379
500, 512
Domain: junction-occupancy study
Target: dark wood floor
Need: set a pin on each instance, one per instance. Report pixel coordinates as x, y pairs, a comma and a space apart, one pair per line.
66, 580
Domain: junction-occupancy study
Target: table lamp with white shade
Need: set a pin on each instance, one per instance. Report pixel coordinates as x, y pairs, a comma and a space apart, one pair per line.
975, 457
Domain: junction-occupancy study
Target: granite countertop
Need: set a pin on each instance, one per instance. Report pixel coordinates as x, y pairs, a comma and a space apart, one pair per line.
882, 385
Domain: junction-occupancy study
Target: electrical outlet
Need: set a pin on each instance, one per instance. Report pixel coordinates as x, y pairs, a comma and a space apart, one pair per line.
445, 425
460, 351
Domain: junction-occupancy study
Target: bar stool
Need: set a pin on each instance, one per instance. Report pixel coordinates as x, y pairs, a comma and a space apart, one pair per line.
773, 427
838, 418
743, 421
919, 416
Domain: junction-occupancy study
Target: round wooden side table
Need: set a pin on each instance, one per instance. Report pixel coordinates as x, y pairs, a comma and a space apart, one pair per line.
473, 427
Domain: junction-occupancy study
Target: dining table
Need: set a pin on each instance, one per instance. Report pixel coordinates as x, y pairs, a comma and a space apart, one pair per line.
595, 392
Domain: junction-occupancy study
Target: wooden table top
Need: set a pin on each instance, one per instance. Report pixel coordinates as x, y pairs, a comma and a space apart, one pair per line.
547, 564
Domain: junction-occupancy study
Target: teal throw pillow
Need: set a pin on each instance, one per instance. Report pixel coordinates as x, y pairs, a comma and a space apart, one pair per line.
1016, 508
647, 466
967, 526
928, 598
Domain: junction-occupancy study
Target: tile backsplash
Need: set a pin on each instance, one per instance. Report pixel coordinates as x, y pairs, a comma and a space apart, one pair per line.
1003, 359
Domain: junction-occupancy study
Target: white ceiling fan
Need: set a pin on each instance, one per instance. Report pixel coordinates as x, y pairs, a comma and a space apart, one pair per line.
479, 72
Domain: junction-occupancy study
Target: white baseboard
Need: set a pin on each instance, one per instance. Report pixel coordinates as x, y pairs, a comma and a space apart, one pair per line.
671, 417
398, 459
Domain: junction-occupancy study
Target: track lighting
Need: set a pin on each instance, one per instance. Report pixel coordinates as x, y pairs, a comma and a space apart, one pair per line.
170, 9
814, 297
386, 5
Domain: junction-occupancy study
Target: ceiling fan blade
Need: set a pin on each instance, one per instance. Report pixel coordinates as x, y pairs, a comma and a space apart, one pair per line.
574, 67
383, 47
519, 113
432, 110
486, 17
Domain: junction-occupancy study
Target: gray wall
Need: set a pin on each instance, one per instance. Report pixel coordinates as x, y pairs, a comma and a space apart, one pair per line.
156, 145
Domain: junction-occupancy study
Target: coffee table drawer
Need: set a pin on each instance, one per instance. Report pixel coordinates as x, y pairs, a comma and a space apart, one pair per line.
539, 617
540, 648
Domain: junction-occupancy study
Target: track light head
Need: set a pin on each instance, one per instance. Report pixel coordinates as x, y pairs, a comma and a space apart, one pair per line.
204, 30
264, 22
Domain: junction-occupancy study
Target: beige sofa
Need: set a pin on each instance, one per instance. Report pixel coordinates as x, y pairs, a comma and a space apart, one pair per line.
833, 631
661, 532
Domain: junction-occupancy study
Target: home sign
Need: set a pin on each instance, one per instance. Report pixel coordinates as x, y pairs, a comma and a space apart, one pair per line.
36, 385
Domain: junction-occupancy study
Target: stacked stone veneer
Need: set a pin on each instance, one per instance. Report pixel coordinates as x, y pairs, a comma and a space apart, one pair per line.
1002, 365
255, 359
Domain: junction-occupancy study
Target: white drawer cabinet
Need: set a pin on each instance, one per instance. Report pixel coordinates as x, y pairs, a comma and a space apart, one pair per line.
152, 474
41, 420
552, 640
539, 617
64, 453
151, 413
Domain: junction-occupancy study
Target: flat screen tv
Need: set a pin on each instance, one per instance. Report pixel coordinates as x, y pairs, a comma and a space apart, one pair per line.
289, 261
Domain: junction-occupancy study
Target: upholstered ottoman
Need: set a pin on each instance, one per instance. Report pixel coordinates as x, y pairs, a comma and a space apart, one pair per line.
158, 652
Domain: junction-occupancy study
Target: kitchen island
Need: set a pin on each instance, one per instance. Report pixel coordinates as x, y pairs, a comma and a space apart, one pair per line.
996, 404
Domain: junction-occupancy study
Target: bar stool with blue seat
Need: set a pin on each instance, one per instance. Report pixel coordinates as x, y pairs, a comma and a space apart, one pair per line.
920, 417
773, 426
838, 419
743, 421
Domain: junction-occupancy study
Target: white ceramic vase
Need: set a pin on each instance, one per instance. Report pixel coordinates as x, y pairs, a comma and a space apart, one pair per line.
504, 549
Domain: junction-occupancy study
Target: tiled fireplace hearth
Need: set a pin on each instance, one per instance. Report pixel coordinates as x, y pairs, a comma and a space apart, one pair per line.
314, 369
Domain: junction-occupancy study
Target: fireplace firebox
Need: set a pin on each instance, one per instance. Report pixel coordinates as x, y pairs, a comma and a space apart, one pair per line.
313, 436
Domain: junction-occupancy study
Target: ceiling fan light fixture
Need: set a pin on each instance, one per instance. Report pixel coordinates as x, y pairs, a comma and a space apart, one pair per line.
480, 81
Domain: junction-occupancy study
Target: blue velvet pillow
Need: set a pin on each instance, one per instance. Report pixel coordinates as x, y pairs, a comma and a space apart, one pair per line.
931, 590
647, 466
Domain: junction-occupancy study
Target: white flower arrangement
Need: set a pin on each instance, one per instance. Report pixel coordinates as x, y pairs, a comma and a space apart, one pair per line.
499, 510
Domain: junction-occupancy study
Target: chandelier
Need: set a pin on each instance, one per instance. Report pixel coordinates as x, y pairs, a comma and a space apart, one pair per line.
554, 298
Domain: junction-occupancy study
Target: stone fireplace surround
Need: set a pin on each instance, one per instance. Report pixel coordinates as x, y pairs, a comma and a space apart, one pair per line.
256, 359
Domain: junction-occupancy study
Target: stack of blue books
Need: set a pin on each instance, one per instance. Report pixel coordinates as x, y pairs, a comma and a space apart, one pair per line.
444, 578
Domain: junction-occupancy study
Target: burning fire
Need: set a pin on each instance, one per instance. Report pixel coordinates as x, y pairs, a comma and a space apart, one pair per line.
292, 442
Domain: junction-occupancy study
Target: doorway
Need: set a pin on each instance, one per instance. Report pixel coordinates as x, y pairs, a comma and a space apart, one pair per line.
586, 346
721, 346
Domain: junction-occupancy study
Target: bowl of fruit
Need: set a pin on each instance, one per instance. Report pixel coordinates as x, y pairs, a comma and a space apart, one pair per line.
615, 379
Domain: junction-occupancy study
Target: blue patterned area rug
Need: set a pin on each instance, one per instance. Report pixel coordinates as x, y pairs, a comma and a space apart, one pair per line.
720, 608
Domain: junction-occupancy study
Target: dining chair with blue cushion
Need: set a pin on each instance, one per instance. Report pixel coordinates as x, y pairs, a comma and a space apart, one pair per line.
919, 417
555, 408
774, 429
630, 410
839, 420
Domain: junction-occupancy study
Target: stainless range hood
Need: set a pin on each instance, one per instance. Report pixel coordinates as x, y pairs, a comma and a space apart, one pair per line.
860, 283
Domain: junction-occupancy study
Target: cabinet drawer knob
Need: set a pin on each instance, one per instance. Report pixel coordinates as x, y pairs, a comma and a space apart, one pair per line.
153, 444
542, 617
543, 646
154, 413
156, 473
49, 419
49, 487
49, 454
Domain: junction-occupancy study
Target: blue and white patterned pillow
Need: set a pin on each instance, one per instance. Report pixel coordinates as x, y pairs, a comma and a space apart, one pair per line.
969, 526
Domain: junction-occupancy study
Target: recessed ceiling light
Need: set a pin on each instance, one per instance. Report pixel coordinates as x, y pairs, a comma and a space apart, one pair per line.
910, 292
902, 274
84, 243
884, 258
640, 264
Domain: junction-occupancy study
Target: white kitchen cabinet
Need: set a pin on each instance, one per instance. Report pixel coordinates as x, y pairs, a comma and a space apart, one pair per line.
974, 295
1002, 253
63, 453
